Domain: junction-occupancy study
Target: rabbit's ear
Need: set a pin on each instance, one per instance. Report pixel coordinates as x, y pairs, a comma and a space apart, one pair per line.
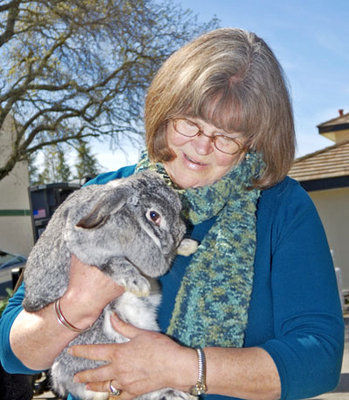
109, 204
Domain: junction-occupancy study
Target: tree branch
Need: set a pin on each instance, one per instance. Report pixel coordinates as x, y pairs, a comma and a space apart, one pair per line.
13, 11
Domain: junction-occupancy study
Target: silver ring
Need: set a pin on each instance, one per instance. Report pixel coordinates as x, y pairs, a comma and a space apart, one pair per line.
114, 391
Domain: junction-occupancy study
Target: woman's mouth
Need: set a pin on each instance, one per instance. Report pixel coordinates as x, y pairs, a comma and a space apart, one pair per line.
193, 163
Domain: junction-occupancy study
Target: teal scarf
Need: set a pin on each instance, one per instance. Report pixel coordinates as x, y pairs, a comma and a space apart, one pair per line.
212, 303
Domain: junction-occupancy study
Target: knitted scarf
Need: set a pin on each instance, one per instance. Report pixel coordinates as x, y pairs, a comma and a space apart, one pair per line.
211, 307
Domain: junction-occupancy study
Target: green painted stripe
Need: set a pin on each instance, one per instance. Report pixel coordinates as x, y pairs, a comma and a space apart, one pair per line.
14, 213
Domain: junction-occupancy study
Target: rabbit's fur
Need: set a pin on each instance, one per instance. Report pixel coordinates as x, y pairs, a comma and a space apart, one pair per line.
130, 229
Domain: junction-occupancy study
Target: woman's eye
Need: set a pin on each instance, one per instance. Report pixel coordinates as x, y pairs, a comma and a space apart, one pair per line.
154, 217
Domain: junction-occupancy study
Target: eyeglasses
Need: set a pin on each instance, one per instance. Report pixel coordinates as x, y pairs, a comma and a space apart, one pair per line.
223, 143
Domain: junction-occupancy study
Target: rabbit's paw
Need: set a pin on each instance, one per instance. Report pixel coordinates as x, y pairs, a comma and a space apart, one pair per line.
138, 285
187, 247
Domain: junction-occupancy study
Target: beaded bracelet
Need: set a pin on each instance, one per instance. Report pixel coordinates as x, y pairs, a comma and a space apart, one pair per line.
63, 321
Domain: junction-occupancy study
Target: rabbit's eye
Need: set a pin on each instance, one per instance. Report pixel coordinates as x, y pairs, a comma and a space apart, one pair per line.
154, 217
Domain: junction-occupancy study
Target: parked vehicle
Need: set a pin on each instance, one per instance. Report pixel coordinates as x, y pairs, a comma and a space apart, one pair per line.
10, 267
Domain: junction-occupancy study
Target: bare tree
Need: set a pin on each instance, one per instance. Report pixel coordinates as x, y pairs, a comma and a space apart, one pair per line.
55, 166
79, 69
86, 164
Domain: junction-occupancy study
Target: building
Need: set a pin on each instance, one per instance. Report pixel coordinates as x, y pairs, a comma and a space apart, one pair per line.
325, 175
16, 233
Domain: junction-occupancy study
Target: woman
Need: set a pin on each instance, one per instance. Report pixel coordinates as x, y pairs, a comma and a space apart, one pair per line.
259, 296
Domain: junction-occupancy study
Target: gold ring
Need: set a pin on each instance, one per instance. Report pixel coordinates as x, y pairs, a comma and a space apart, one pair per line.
113, 390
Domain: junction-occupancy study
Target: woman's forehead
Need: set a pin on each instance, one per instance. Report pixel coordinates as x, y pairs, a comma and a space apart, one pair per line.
218, 115
221, 107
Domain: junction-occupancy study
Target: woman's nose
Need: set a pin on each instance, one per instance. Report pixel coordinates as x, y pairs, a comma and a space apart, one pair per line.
203, 144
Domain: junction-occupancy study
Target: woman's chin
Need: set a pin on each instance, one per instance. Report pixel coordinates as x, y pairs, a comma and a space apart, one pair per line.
186, 181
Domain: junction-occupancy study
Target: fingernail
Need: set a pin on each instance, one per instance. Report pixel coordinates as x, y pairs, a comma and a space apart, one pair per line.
76, 379
115, 317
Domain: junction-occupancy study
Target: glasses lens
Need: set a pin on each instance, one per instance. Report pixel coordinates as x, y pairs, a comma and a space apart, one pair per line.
226, 144
185, 127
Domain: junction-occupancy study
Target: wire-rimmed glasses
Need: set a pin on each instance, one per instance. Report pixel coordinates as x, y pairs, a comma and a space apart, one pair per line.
224, 143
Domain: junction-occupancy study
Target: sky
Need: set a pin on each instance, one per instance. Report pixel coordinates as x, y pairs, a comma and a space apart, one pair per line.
310, 38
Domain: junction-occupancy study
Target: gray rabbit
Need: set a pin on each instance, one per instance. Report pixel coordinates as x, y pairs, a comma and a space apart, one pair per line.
130, 228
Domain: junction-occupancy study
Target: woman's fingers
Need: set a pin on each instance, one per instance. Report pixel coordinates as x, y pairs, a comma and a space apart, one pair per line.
95, 375
89, 291
103, 386
99, 386
105, 352
96, 352
127, 330
140, 365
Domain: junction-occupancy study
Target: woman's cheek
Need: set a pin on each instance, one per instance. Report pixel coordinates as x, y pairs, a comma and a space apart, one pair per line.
226, 160
176, 140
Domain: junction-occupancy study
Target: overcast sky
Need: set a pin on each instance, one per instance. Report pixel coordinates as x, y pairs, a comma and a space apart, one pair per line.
311, 40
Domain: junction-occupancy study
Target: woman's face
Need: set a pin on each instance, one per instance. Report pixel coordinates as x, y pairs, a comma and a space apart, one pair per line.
197, 161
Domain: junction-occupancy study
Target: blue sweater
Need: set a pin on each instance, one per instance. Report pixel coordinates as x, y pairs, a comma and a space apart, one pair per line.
295, 313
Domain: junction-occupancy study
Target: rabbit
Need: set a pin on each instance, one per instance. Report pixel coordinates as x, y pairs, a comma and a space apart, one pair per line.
130, 228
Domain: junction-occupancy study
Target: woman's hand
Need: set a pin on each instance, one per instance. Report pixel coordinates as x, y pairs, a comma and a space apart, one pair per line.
148, 361
88, 292
37, 338
152, 361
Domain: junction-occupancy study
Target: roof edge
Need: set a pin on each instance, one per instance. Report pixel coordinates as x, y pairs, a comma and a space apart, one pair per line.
315, 153
333, 119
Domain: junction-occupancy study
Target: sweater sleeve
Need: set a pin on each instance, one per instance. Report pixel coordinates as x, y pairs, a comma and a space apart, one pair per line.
109, 176
308, 324
9, 361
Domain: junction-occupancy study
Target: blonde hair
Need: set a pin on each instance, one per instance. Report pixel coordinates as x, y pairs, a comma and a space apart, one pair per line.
230, 78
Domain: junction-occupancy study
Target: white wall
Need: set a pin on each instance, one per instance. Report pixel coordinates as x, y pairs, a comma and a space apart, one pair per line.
16, 235
333, 207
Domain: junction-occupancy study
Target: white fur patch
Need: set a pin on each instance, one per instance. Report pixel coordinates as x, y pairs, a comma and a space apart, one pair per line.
96, 395
138, 312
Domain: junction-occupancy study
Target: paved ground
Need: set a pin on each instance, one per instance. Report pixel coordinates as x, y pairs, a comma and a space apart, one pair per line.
341, 392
